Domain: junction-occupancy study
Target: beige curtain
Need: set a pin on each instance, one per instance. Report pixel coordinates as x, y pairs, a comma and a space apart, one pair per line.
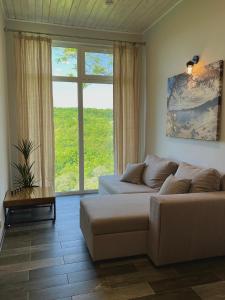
126, 103
34, 102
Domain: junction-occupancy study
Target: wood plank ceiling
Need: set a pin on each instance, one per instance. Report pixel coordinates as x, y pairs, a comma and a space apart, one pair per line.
133, 16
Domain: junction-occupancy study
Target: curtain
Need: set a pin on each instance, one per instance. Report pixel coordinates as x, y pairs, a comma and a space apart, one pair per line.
126, 104
34, 102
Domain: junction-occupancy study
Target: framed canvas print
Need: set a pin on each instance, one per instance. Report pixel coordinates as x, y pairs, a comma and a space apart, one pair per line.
194, 103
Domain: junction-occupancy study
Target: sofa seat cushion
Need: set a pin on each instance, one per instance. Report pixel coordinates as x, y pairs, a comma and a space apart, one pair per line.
116, 213
113, 185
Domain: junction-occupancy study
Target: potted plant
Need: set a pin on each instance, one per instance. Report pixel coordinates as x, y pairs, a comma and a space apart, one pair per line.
25, 178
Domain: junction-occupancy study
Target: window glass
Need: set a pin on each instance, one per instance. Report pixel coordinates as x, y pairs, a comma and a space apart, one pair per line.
64, 61
65, 103
75, 170
98, 133
98, 63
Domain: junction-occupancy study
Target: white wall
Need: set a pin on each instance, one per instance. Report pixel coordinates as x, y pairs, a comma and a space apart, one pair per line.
192, 28
4, 164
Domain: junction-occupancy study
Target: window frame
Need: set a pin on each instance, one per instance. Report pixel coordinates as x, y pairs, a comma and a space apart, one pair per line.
80, 79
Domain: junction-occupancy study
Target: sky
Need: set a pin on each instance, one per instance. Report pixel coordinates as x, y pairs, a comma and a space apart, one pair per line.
65, 93
94, 95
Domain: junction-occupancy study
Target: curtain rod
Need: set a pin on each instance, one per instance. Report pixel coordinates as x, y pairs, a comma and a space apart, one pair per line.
71, 36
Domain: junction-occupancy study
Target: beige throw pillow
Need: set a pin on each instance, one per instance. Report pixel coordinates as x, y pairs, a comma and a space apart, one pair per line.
203, 180
157, 170
133, 173
173, 185
187, 171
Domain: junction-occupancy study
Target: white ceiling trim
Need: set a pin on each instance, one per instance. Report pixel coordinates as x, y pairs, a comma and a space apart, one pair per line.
71, 31
74, 27
162, 17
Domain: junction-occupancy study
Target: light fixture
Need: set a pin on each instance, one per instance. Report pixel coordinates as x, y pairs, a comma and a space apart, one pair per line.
191, 63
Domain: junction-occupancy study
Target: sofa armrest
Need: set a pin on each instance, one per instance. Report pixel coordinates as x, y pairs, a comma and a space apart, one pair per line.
186, 227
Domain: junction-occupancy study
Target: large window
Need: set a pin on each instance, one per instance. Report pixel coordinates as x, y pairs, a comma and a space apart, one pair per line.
83, 116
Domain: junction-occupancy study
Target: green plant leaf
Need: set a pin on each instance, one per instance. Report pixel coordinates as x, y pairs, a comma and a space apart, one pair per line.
25, 176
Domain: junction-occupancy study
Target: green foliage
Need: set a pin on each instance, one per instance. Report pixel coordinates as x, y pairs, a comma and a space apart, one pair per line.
25, 178
25, 147
67, 54
98, 147
93, 63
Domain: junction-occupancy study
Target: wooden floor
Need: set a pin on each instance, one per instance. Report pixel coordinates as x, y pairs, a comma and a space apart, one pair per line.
45, 261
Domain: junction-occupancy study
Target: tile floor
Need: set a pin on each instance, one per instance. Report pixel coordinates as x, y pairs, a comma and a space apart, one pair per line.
43, 261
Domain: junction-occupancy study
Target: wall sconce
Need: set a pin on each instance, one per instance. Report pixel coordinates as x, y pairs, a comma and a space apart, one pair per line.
191, 63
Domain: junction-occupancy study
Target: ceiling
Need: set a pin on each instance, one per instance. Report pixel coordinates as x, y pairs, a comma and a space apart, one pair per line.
133, 16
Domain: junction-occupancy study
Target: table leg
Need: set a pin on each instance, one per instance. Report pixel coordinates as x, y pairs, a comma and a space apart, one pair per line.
54, 204
6, 217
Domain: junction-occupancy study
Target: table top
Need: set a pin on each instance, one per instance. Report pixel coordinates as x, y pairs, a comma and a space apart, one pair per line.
30, 196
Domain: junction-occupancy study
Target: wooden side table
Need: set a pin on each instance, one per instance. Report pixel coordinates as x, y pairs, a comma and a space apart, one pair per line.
29, 198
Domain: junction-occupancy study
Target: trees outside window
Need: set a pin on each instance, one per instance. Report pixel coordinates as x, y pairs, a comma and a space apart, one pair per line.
83, 116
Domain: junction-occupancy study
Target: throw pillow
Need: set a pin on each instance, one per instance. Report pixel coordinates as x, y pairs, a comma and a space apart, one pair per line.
133, 173
203, 180
157, 170
173, 185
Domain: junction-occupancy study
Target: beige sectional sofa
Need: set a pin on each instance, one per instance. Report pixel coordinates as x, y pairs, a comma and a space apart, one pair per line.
128, 219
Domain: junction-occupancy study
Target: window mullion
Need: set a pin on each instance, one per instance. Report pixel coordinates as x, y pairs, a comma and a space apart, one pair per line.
97, 79
80, 118
64, 79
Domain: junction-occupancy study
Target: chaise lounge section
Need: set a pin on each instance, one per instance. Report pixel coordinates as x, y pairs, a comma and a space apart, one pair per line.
115, 226
168, 228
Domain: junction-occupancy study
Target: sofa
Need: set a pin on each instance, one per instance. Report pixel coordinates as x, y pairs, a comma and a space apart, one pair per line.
128, 219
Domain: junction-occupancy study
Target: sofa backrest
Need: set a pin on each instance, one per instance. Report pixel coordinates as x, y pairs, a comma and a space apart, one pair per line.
172, 167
